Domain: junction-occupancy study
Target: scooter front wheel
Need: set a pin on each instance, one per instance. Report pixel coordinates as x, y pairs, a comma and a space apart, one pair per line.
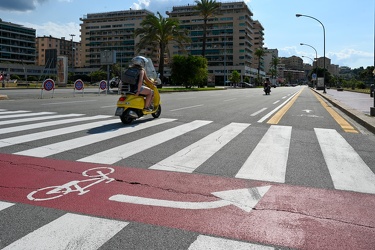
157, 113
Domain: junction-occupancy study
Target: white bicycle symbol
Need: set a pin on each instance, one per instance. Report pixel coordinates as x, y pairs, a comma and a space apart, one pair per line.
97, 175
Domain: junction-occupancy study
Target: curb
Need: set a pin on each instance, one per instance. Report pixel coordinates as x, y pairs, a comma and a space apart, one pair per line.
365, 120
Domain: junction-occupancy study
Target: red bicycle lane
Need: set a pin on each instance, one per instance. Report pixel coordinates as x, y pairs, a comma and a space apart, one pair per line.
253, 211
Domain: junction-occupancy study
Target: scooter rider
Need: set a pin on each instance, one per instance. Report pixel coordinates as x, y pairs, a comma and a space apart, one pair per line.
140, 63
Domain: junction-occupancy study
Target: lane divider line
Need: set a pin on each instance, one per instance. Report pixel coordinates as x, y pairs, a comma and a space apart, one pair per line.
277, 108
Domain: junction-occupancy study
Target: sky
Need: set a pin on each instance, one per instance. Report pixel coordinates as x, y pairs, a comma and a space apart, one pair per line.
349, 24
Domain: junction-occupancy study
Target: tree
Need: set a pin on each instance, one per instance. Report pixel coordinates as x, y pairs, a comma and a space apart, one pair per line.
235, 77
259, 52
275, 61
189, 70
159, 32
206, 8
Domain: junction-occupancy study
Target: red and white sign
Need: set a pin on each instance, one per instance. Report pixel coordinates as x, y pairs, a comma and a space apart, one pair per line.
268, 213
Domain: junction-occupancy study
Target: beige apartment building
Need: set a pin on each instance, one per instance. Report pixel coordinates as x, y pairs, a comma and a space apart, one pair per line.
230, 39
48, 48
113, 31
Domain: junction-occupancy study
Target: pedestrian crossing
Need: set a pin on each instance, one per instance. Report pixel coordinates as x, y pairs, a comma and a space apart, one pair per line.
76, 231
268, 161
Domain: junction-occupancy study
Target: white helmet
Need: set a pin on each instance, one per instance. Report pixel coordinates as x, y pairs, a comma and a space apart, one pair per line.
140, 61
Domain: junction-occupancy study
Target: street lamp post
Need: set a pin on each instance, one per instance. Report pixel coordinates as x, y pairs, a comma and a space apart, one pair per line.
311, 61
316, 58
72, 35
324, 49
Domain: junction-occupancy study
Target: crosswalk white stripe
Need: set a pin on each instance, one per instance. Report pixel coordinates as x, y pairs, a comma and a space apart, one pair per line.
4, 205
204, 242
50, 123
347, 169
12, 114
59, 147
52, 133
27, 114
268, 160
116, 154
39, 118
70, 231
191, 157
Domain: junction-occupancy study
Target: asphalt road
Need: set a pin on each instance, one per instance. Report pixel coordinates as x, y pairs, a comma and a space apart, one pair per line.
203, 142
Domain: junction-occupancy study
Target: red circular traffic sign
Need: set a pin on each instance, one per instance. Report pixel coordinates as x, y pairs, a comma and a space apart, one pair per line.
48, 84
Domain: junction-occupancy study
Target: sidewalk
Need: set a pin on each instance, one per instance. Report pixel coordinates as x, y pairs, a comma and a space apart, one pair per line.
355, 105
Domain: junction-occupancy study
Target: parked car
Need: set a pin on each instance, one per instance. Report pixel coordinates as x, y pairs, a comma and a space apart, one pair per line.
246, 85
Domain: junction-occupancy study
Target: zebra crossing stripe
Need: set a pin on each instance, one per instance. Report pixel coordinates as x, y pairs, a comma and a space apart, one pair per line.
204, 242
39, 118
15, 114
116, 154
51, 123
4, 205
191, 157
59, 147
347, 169
52, 133
70, 231
268, 160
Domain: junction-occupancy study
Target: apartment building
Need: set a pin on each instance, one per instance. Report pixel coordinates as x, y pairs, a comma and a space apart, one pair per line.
292, 63
17, 43
113, 31
48, 48
230, 39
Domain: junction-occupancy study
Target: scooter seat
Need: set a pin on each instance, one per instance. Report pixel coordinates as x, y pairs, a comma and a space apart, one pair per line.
131, 93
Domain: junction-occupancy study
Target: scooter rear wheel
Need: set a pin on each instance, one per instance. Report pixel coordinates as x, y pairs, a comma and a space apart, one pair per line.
126, 118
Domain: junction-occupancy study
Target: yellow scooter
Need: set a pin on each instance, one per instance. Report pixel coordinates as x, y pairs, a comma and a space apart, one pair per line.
131, 107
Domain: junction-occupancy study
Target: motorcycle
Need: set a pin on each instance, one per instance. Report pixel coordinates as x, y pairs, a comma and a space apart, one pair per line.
131, 107
267, 90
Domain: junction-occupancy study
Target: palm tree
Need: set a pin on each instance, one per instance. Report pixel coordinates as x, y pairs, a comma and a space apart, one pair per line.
275, 61
206, 8
159, 32
259, 52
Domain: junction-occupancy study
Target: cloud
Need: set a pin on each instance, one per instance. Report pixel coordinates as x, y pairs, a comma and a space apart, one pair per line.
56, 30
20, 5
141, 4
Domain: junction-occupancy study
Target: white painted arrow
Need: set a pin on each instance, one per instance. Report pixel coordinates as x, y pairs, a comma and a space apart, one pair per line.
245, 199
307, 110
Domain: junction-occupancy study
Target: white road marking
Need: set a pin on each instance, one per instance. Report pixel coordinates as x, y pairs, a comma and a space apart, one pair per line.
63, 146
347, 169
39, 118
277, 108
72, 102
51, 123
191, 157
116, 154
276, 102
268, 160
4, 205
204, 242
70, 231
258, 112
52, 133
190, 107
